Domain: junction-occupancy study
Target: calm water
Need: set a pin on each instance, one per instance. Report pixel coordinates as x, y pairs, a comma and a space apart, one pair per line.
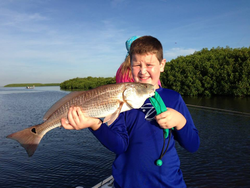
75, 158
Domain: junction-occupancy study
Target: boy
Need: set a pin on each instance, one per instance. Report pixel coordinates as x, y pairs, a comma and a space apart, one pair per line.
137, 136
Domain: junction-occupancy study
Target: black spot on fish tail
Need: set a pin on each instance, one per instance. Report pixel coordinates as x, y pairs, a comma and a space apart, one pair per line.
33, 130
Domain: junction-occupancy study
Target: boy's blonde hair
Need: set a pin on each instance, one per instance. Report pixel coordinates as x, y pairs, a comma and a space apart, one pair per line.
145, 45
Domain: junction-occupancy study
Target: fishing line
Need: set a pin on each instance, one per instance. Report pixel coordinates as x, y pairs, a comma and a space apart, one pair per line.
221, 110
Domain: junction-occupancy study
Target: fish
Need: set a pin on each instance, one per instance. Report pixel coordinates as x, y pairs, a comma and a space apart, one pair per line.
106, 102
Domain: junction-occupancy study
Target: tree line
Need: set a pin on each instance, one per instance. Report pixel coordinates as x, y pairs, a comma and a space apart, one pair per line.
86, 83
218, 71
32, 84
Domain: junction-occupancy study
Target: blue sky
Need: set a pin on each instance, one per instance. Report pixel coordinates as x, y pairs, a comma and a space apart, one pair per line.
49, 41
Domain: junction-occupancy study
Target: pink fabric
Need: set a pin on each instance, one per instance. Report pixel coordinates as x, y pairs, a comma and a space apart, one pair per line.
120, 78
159, 82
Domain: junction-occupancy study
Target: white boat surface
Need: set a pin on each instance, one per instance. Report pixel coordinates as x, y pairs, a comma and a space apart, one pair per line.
107, 183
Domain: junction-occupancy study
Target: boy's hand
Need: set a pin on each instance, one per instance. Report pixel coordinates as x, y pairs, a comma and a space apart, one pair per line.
77, 120
171, 118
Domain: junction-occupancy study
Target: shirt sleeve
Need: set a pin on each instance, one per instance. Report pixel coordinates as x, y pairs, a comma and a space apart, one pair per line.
188, 136
115, 138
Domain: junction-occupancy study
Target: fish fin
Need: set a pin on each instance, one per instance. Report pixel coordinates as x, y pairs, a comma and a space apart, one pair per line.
107, 118
28, 138
60, 103
112, 117
131, 100
126, 107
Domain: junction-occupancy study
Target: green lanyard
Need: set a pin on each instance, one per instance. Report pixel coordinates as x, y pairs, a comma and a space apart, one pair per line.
160, 107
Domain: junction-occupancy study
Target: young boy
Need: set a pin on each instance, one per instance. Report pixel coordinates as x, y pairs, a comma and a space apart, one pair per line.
137, 136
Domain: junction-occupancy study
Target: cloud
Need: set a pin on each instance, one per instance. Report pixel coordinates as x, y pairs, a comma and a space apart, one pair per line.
175, 52
19, 19
115, 3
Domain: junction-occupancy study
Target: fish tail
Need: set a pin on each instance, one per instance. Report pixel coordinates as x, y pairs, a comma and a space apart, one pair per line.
28, 138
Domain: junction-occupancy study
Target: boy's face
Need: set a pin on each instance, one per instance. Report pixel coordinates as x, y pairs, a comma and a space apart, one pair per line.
147, 69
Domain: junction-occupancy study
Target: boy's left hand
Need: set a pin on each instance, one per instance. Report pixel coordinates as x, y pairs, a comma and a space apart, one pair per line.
171, 118
77, 120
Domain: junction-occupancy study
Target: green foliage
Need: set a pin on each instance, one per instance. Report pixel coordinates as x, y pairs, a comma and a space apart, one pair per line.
32, 84
86, 83
219, 71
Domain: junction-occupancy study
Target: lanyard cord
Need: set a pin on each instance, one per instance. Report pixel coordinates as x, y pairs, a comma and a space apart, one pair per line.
163, 153
159, 162
160, 107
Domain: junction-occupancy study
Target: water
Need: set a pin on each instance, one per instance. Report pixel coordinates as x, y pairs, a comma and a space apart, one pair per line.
223, 157
75, 158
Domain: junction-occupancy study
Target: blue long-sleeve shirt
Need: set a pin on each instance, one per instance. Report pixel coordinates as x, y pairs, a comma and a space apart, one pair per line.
137, 140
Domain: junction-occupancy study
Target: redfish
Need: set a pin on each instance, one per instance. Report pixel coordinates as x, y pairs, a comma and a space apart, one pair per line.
106, 101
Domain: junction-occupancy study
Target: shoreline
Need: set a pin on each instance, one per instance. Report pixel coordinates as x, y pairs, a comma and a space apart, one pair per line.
31, 84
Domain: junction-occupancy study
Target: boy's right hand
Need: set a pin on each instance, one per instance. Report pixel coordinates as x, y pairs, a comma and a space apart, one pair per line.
171, 118
77, 120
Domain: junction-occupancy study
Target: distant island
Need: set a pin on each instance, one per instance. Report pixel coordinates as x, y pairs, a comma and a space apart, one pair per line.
32, 84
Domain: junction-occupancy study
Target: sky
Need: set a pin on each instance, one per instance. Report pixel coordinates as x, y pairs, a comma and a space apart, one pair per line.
51, 41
